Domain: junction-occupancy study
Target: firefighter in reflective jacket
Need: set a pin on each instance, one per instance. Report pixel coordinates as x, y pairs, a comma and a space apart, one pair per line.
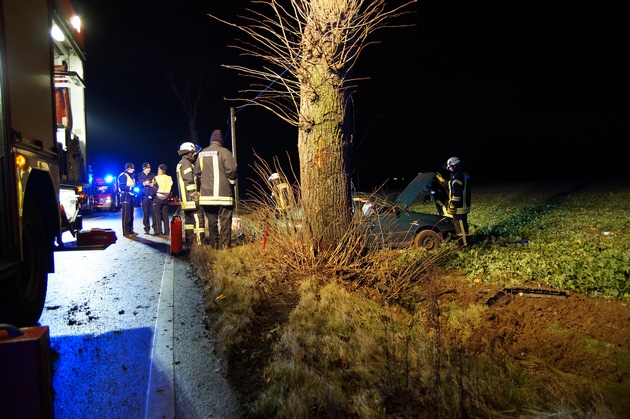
280, 192
126, 182
194, 218
459, 197
216, 171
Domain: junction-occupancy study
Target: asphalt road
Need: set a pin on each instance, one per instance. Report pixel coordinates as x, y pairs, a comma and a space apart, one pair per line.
128, 333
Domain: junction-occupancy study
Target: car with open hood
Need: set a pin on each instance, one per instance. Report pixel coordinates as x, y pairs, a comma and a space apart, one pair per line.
391, 223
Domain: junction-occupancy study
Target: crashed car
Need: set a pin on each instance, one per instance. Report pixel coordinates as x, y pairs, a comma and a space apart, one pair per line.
393, 224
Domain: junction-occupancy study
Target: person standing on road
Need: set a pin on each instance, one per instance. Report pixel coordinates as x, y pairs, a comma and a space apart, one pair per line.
217, 171
126, 182
164, 184
459, 198
145, 180
194, 218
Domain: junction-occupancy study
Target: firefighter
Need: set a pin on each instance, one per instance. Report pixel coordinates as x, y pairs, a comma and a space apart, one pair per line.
459, 197
194, 218
126, 182
217, 172
279, 192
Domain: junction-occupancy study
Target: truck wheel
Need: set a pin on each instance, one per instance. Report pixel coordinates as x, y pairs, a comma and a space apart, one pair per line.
427, 239
24, 296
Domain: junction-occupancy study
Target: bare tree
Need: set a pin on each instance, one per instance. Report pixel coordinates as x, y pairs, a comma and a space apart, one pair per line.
310, 48
189, 82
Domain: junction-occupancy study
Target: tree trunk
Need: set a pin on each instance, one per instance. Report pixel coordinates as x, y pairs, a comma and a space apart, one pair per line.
322, 144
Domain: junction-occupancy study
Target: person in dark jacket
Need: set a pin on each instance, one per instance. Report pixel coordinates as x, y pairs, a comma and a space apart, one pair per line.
194, 217
459, 197
126, 182
216, 170
148, 190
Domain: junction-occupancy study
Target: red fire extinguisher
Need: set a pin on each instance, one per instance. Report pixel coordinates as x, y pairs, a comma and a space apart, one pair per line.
176, 236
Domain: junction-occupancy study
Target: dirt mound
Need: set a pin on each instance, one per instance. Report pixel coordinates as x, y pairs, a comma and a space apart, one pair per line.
586, 337
556, 329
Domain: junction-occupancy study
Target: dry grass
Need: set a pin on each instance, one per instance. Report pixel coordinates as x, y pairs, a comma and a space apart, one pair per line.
339, 353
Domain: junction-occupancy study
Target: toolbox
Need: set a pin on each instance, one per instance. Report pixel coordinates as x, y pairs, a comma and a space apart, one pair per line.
26, 389
96, 237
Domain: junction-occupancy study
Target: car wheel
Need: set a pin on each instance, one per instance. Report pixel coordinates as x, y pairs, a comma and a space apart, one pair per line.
427, 239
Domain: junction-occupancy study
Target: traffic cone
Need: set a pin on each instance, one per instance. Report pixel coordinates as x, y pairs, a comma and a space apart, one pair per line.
176, 236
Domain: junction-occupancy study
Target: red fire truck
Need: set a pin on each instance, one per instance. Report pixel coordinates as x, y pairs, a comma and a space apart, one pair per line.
43, 169
105, 192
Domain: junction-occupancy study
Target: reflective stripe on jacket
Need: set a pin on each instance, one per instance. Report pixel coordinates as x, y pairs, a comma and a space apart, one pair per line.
459, 193
186, 183
165, 183
126, 182
217, 171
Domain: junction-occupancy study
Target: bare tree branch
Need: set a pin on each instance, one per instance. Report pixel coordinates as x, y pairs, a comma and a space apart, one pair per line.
278, 37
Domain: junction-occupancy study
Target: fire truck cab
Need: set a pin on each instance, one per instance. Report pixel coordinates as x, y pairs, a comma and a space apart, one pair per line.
43, 143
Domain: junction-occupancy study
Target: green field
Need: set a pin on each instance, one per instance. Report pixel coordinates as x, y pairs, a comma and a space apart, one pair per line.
568, 235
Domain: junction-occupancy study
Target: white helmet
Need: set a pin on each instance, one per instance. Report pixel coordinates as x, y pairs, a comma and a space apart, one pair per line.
274, 176
453, 161
186, 148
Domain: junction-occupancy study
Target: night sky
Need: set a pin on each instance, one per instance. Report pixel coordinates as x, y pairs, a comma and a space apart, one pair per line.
516, 90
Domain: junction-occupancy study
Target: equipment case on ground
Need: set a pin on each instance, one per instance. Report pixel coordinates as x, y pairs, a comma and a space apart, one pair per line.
25, 372
96, 237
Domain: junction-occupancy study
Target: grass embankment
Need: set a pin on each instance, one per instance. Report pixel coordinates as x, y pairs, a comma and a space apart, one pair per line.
361, 334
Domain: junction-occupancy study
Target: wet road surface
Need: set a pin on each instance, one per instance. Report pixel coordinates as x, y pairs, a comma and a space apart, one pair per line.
128, 333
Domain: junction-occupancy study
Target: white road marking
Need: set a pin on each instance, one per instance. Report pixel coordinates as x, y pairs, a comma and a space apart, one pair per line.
161, 390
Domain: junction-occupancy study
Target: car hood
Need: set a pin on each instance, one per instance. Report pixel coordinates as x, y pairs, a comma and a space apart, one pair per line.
418, 185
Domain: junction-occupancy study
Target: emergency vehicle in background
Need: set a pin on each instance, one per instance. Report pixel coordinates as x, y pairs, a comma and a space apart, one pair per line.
106, 194
43, 165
